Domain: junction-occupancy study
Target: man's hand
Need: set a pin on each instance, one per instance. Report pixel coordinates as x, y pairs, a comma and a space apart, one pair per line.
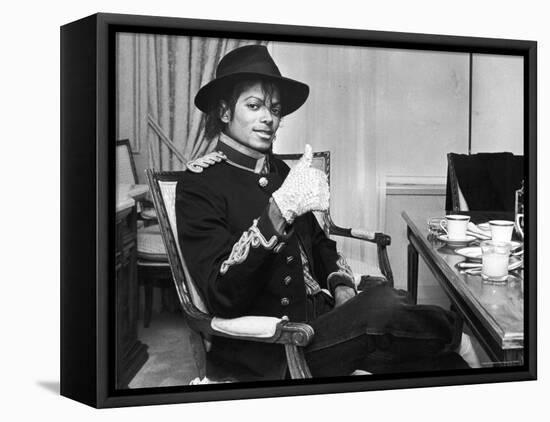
342, 294
304, 189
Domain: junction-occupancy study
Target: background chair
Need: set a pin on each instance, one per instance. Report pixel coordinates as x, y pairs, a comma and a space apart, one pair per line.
153, 269
126, 174
292, 336
321, 161
152, 264
483, 182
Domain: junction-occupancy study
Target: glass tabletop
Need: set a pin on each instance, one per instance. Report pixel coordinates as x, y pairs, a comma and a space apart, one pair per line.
500, 305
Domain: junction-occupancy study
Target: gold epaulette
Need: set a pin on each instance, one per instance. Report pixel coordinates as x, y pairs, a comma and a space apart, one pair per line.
199, 164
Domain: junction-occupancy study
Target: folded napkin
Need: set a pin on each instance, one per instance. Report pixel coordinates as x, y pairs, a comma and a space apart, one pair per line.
475, 231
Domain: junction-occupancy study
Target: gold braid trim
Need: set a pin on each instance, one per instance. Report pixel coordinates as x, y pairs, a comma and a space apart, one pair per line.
253, 237
199, 164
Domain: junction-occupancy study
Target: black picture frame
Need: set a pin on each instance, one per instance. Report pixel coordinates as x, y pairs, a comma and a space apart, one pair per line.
87, 203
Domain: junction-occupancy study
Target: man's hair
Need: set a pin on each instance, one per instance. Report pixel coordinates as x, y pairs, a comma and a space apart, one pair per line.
230, 94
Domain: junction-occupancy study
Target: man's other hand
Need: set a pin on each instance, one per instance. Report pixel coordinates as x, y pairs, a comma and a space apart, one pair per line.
342, 294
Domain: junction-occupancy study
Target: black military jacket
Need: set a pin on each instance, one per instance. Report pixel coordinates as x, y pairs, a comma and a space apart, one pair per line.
214, 208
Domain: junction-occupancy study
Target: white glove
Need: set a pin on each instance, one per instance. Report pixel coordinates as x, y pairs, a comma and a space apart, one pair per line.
304, 189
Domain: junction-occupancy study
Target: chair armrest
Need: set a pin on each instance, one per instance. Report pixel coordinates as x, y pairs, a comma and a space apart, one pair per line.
146, 203
148, 210
263, 329
247, 326
378, 238
381, 240
362, 234
148, 214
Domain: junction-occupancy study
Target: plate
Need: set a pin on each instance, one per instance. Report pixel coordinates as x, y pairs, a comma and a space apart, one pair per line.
514, 245
472, 253
456, 242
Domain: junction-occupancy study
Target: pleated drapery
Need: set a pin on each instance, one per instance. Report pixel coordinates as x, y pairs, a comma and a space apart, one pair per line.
168, 72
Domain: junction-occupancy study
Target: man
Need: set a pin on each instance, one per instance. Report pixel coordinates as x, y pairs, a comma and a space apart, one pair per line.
253, 246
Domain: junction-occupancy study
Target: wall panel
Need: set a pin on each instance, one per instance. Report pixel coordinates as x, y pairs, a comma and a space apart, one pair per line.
497, 104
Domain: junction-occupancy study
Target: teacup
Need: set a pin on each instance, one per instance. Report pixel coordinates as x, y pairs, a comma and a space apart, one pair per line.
455, 226
501, 230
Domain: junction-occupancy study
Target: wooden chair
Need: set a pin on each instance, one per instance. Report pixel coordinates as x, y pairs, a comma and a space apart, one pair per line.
292, 336
321, 161
484, 182
153, 269
126, 173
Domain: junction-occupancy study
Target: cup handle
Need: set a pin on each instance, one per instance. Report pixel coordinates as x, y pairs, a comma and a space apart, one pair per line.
518, 225
441, 224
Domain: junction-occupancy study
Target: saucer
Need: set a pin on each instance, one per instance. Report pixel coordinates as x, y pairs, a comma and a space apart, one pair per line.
473, 253
514, 244
456, 242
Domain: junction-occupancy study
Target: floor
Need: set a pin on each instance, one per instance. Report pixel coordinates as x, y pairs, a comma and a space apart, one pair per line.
171, 361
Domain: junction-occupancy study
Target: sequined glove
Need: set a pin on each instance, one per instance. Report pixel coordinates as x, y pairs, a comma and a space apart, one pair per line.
304, 189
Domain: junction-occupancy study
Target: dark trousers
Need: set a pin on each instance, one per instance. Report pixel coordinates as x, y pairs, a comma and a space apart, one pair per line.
381, 331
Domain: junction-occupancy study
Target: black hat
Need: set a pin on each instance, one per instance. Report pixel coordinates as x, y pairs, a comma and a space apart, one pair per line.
251, 61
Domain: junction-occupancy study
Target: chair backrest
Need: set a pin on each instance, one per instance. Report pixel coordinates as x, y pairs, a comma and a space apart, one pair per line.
125, 166
163, 190
454, 199
483, 182
321, 161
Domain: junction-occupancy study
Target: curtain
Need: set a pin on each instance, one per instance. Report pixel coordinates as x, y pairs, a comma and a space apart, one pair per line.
339, 116
173, 68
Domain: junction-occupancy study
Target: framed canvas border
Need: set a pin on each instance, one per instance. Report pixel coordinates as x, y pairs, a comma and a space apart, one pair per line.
88, 202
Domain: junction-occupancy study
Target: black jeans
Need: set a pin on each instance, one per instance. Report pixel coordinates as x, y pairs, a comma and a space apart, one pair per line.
381, 331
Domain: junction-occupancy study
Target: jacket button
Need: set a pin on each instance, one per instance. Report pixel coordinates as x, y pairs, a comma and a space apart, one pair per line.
285, 301
289, 259
287, 280
263, 182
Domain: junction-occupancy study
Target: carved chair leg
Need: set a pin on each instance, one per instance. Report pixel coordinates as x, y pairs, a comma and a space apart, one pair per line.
384, 264
297, 364
199, 353
412, 273
144, 279
148, 303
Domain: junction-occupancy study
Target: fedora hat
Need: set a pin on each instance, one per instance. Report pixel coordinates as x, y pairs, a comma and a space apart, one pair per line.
251, 62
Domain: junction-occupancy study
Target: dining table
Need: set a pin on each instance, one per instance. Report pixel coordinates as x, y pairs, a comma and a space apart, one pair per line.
494, 312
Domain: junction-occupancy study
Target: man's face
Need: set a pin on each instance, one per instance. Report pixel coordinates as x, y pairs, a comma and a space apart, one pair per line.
256, 118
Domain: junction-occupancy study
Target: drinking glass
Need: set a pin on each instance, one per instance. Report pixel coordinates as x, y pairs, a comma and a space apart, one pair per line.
494, 260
